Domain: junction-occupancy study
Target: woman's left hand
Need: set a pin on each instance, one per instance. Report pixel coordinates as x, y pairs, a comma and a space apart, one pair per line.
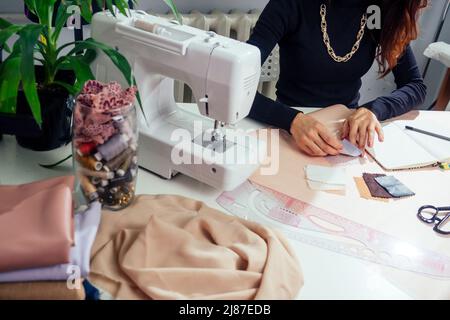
360, 128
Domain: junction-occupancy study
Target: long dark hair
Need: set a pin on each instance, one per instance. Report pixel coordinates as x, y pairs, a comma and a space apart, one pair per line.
399, 20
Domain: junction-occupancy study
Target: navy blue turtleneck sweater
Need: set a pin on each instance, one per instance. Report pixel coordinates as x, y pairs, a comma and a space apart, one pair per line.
309, 77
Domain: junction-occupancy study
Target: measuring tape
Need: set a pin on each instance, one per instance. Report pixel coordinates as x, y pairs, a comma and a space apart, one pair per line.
263, 205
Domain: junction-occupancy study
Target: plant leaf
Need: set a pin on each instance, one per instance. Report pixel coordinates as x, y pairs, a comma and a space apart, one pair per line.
86, 9
175, 11
28, 38
122, 6
6, 33
9, 83
62, 15
70, 88
31, 5
89, 56
110, 7
4, 24
58, 51
82, 70
44, 11
117, 58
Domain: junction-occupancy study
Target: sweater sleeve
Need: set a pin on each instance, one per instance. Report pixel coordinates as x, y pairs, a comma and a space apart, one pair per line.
410, 92
279, 18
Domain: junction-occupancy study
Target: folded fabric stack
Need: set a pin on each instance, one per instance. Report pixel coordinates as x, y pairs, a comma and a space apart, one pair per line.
325, 178
44, 247
381, 187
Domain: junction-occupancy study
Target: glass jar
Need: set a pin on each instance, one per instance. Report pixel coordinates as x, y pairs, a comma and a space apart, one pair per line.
105, 154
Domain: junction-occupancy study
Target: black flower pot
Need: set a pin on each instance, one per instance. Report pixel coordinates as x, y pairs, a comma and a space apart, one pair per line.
56, 116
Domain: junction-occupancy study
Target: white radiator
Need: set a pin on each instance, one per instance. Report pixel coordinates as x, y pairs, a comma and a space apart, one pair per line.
236, 25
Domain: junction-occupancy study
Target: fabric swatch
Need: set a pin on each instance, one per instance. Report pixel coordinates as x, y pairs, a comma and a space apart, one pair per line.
86, 225
375, 189
42, 290
394, 187
364, 191
349, 149
314, 185
36, 223
328, 175
342, 160
171, 247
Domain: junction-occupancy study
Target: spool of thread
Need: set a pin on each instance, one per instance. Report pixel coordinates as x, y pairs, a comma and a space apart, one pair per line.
113, 147
125, 128
115, 163
100, 174
104, 183
118, 181
96, 180
114, 190
124, 166
119, 118
89, 162
86, 148
88, 188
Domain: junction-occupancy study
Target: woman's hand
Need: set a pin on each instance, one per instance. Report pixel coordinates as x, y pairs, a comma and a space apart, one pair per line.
313, 138
360, 128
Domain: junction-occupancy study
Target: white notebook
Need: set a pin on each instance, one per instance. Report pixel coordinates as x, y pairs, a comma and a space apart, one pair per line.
406, 149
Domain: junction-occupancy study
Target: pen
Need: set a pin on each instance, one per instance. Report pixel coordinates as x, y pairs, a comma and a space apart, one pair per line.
427, 133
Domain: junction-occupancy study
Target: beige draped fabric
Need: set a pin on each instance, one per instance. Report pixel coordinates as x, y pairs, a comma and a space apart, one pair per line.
171, 247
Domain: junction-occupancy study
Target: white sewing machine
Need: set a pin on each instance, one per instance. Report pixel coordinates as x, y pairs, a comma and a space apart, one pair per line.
223, 75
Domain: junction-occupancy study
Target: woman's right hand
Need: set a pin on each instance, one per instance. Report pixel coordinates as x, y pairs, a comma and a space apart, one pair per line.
313, 138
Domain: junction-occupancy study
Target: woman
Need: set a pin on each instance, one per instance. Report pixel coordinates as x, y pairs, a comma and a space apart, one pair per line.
317, 73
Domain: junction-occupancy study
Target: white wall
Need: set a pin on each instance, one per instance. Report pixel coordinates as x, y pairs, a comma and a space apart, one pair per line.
8, 6
372, 87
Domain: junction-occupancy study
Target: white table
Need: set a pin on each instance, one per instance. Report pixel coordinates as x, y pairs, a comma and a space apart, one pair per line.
327, 275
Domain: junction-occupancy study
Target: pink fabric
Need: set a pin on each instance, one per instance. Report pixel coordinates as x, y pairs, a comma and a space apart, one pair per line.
106, 97
96, 105
36, 223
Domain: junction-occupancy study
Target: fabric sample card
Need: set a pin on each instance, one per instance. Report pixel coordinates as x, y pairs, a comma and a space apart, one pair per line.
41, 290
314, 185
326, 175
342, 160
375, 189
349, 149
364, 191
394, 187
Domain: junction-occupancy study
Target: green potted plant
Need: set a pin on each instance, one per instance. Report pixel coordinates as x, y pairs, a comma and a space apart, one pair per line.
34, 98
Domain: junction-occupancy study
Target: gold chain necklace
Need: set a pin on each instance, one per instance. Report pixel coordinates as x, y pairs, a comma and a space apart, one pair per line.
326, 38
